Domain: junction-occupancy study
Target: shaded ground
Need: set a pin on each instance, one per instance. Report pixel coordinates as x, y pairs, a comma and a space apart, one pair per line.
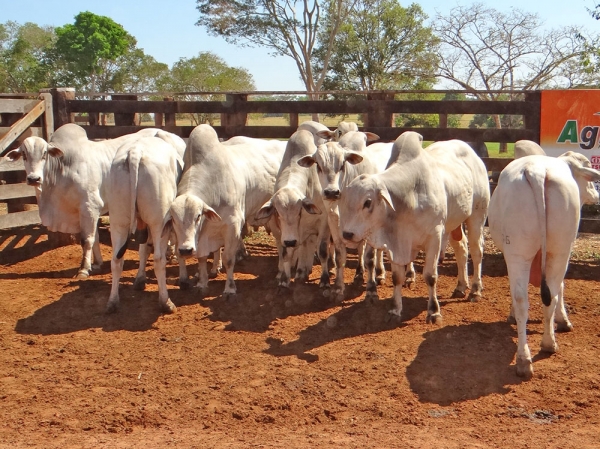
297, 370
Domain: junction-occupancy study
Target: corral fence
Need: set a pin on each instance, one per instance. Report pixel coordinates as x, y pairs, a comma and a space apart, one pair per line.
109, 115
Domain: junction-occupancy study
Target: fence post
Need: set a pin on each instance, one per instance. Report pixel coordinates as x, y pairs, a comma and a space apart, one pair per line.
233, 122
125, 118
48, 118
379, 116
533, 119
60, 96
170, 118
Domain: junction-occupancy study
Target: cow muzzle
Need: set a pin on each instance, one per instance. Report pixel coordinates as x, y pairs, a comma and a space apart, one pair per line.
34, 180
186, 252
331, 194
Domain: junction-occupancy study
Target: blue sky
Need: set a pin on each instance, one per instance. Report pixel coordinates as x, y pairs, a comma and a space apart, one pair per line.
166, 29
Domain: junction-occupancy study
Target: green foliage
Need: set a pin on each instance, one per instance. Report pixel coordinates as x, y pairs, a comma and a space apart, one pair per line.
86, 48
206, 72
381, 45
24, 56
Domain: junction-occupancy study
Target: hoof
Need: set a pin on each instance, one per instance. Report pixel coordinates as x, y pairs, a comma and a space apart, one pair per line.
358, 278
408, 283
549, 348
564, 327
371, 298
96, 268
395, 312
458, 294
139, 284
229, 295
185, 285
173, 260
168, 307
327, 292
511, 320
82, 274
524, 368
380, 280
474, 297
112, 307
435, 318
212, 274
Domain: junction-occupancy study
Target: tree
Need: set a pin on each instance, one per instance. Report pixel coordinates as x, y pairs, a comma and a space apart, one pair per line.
135, 72
86, 47
206, 72
486, 50
381, 45
278, 25
24, 56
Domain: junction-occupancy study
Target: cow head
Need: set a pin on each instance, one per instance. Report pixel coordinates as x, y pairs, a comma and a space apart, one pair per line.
364, 207
287, 206
584, 175
188, 213
35, 152
331, 159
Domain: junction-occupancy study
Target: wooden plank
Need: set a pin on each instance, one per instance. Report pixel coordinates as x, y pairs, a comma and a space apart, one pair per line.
8, 165
17, 219
48, 116
21, 125
12, 191
15, 106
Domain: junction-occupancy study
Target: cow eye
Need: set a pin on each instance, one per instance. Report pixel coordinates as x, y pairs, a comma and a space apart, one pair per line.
367, 204
24, 156
319, 169
343, 167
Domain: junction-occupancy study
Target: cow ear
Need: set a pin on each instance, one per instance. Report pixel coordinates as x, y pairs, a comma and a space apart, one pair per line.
383, 193
310, 207
589, 174
167, 227
266, 211
14, 155
353, 157
54, 151
372, 137
306, 161
326, 134
211, 214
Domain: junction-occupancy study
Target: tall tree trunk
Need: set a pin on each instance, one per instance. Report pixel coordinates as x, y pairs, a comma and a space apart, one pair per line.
503, 148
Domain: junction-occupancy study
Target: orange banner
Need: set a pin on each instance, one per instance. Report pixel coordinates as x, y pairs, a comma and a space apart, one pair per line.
570, 120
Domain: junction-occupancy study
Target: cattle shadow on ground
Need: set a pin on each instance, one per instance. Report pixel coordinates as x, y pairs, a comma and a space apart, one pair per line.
84, 308
356, 319
21, 244
465, 362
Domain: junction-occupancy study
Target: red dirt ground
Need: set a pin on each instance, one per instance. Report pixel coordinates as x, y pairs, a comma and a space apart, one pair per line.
294, 371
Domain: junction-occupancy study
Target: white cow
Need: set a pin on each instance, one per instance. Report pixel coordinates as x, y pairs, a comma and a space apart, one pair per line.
143, 184
527, 148
222, 187
315, 128
70, 176
334, 175
534, 217
422, 196
296, 207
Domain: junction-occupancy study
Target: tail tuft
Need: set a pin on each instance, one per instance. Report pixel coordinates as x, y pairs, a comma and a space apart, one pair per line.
545, 292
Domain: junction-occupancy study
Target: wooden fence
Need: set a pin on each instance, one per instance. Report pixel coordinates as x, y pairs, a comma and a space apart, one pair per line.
377, 110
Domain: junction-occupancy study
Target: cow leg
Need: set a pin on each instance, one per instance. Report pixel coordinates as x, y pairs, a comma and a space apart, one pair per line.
556, 268
306, 259
432, 253
371, 288
518, 276
184, 283
476, 242
458, 242
229, 255
96, 253
202, 275
160, 270
410, 276
380, 267
118, 236
398, 273
359, 275
88, 236
139, 283
323, 253
217, 264
560, 315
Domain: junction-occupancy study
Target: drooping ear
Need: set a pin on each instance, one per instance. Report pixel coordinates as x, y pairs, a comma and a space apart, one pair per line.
385, 195
54, 151
14, 155
266, 211
353, 157
326, 134
371, 137
211, 214
306, 161
589, 174
167, 227
310, 207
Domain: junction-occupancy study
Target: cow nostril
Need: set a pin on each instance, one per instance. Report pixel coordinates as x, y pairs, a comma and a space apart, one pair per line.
331, 193
289, 243
185, 251
347, 235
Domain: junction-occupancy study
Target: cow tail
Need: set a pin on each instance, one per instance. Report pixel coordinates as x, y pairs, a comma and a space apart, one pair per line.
134, 157
538, 184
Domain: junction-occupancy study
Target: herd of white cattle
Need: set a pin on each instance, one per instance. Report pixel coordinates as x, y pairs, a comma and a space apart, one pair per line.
319, 193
